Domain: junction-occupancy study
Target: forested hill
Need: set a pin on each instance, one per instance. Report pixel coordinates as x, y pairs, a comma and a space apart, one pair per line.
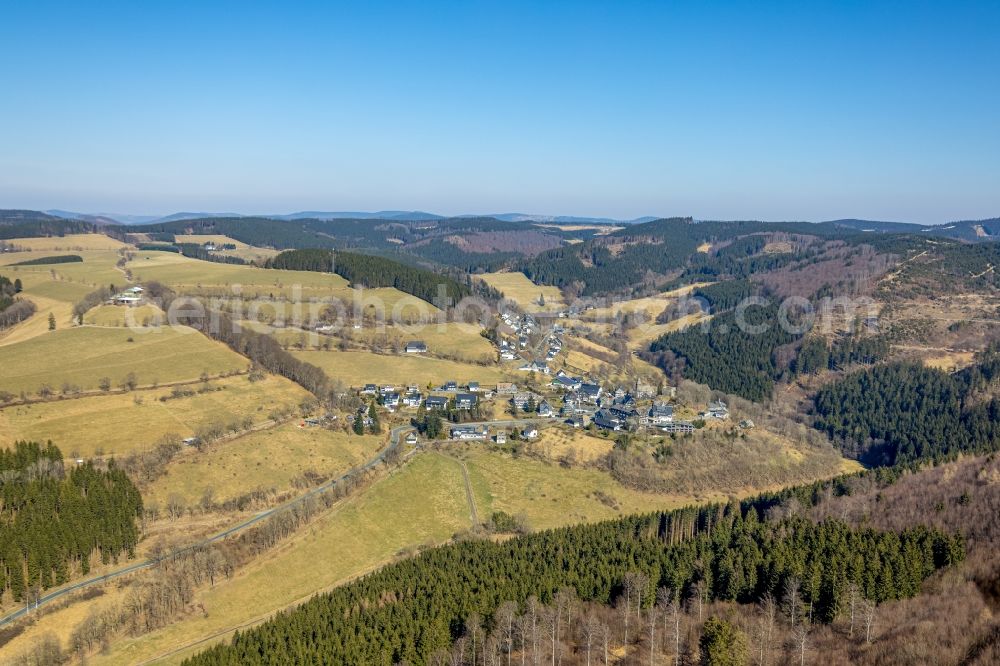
33, 224
53, 519
364, 270
904, 412
645, 255
665, 247
408, 611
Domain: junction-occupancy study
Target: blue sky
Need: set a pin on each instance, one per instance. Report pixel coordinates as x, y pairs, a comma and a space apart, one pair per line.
797, 110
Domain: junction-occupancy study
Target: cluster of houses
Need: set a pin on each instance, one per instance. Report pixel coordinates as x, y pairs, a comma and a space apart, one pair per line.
131, 296
586, 402
574, 400
392, 397
522, 326
482, 433
515, 330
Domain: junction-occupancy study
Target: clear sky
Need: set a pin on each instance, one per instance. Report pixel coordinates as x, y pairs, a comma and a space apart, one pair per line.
720, 110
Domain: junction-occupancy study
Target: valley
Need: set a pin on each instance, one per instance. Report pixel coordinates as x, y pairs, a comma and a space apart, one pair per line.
340, 429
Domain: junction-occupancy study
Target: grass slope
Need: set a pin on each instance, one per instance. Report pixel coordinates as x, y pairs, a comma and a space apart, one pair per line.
423, 503
83, 355
114, 424
356, 368
518, 288
266, 460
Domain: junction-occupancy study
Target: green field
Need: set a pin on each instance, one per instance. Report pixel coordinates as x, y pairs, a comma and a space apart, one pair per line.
356, 368
123, 315
549, 495
115, 424
266, 460
518, 288
71, 243
96, 269
82, 356
421, 504
60, 290
193, 276
244, 251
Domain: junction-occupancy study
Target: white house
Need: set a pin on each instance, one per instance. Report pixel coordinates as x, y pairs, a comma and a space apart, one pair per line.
469, 432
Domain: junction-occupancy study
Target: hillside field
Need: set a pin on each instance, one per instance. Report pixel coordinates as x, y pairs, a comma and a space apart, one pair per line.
70, 243
115, 424
122, 316
243, 251
357, 368
421, 504
82, 356
518, 288
268, 460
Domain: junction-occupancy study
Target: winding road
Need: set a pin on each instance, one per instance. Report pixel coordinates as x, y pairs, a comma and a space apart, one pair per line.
394, 439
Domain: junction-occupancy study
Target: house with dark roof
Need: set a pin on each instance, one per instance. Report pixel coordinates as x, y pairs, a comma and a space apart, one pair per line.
465, 400
412, 399
606, 420
436, 402
589, 392
678, 427
660, 413
564, 382
416, 347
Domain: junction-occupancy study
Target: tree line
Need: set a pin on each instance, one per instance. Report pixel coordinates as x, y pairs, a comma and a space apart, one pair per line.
372, 272
53, 519
13, 308
408, 611
260, 348
54, 259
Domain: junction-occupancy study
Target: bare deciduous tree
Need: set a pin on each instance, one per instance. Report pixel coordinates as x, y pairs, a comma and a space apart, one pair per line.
852, 603
868, 608
590, 633
791, 599
506, 619
800, 638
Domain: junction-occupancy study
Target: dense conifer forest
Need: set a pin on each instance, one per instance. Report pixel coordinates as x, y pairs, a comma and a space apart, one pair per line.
727, 356
54, 517
408, 611
33, 224
903, 412
364, 270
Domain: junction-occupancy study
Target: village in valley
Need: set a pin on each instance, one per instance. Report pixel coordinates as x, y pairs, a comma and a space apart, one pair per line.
530, 345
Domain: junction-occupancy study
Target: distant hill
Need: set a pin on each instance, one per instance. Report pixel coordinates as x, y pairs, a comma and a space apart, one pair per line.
413, 215
190, 216
971, 231
567, 219
17, 216
95, 218
882, 227
33, 224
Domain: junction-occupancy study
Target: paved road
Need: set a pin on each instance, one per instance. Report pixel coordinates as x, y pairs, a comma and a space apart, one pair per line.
394, 439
